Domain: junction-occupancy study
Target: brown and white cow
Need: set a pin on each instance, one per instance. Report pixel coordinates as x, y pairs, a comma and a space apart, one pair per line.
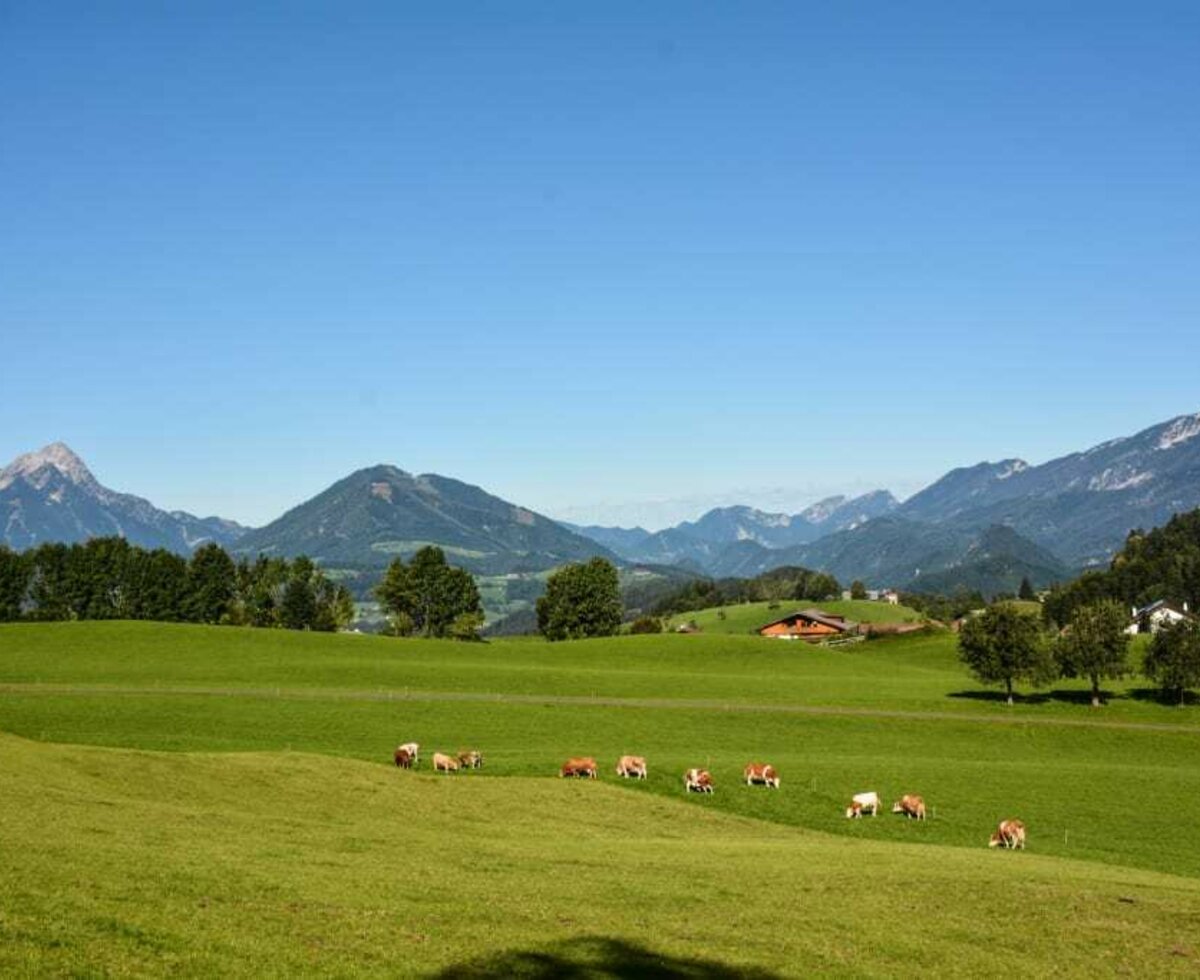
631, 767
403, 759
413, 749
1010, 834
470, 759
911, 805
697, 781
863, 803
444, 763
581, 767
761, 774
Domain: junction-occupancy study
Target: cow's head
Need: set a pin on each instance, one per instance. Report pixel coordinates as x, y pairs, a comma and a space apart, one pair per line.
995, 840
854, 810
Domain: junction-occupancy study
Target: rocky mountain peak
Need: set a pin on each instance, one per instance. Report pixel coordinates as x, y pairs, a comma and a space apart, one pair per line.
39, 466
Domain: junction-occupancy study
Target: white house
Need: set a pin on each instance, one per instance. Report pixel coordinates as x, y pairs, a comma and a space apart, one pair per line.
1152, 618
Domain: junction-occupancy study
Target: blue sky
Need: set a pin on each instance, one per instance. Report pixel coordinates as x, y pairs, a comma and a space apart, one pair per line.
592, 258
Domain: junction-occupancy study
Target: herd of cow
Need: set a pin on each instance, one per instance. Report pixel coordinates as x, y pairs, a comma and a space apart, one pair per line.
1010, 833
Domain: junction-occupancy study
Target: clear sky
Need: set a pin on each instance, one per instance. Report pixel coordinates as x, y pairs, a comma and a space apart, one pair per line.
585, 255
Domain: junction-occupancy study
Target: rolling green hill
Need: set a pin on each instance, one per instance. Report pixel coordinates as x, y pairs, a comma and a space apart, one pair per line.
307, 851
747, 617
284, 863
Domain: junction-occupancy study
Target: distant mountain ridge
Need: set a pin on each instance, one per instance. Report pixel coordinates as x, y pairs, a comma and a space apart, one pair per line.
380, 513
699, 544
50, 495
986, 523
1068, 513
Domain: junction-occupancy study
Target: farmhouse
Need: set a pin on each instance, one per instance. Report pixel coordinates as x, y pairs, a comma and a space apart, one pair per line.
809, 624
1152, 618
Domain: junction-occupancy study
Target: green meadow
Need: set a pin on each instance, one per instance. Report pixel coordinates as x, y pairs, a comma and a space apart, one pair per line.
747, 617
223, 800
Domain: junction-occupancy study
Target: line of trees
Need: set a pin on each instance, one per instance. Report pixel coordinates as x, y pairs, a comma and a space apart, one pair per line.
1007, 646
108, 578
791, 582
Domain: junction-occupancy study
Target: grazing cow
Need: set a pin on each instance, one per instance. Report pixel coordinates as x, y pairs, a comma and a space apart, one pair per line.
697, 781
761, 774
413, 750
582, 767
470, 760
444, 763
404, 759
911, 805
863, 803
631, 767
1010, 834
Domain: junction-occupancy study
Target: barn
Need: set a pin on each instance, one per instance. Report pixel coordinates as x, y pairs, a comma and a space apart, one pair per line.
809, 624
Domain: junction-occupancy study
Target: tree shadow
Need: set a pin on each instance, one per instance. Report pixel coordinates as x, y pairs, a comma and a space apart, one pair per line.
598, 958
999, 697
1190, 698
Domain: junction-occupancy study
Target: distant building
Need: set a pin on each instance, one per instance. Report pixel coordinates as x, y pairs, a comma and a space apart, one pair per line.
809, 624
1152, 618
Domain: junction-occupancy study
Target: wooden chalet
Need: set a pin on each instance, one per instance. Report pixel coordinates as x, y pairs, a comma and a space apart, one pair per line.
809, 624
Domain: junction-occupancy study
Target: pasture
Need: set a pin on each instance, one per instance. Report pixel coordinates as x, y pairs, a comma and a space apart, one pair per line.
252, 771
746, 617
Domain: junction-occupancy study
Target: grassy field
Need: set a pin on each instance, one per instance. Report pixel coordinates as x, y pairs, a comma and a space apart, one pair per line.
748, 616
310, 827
278, 864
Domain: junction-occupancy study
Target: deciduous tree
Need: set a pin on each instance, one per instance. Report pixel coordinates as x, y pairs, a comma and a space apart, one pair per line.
1094, 644
1005, 646
1173, 660
581, 600
427, 595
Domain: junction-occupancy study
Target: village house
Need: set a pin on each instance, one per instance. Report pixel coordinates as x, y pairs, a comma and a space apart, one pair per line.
809, 624
1152, 618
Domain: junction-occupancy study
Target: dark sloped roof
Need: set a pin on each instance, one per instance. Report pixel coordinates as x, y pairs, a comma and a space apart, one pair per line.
814, 616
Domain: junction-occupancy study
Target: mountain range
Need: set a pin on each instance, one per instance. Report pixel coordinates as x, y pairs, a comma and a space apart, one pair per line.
1069, 513
990, 524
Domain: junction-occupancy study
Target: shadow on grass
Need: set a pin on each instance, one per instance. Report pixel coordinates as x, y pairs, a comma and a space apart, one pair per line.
1079, 697
999, 697
595, 958
1190, 698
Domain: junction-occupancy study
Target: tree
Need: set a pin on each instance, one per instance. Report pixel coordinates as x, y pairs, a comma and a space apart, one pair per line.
858, 590
1173, 660
1095, 645
427, 595
298, 610
652, 624
1005, 646
581, 600
211, 579
1026, 590
466, 626
14, 582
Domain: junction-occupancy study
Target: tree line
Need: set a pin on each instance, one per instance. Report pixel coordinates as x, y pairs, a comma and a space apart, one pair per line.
108, 578
1007, 646
778, 585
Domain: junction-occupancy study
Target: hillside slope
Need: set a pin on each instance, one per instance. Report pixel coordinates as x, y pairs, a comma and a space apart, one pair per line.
292, 864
